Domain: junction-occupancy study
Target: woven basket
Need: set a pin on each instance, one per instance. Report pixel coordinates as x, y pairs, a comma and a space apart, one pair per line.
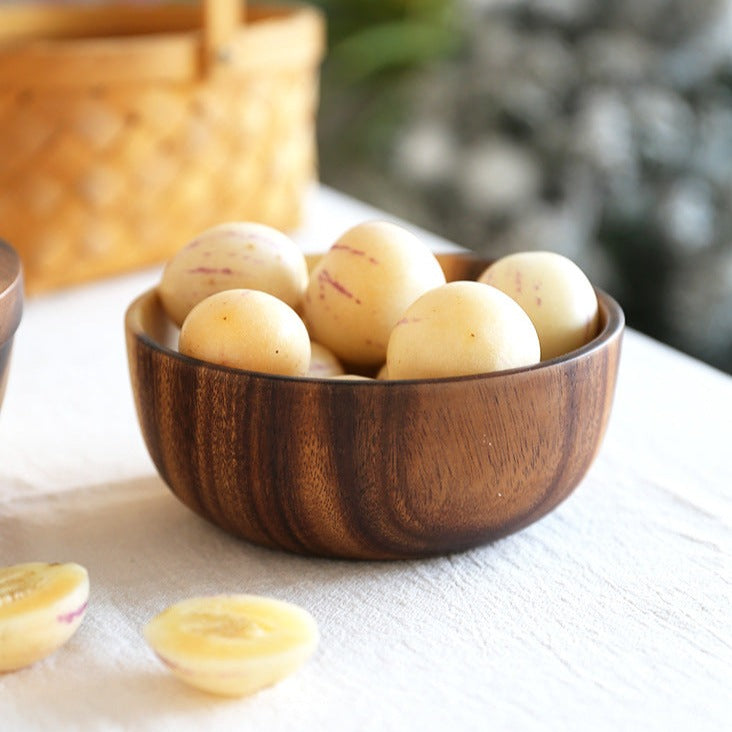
126, 130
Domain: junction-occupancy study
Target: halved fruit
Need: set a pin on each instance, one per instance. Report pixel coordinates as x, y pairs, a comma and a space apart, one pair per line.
41, 606
232, 645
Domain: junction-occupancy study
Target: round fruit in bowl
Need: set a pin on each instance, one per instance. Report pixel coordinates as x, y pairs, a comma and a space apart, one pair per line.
462, 436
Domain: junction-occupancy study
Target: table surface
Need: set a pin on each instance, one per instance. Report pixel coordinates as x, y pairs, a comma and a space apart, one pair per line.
613, 611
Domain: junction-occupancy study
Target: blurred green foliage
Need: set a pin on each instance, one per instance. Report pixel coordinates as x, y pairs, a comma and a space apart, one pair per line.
369, 37
373, 45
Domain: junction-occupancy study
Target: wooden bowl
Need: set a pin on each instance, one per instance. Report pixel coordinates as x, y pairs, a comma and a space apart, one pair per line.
11, 306
371, 469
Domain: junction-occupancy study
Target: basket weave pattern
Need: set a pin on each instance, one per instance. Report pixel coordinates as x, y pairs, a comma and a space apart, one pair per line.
99, 179
105, 179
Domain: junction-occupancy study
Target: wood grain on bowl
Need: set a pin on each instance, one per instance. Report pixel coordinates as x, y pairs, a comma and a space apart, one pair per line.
11, 306
4, 363
371, 469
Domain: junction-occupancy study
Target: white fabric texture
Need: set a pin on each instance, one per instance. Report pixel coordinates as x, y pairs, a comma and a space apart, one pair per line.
612, 612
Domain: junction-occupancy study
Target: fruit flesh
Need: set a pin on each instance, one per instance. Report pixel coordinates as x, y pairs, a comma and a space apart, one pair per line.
41, 607
232, 645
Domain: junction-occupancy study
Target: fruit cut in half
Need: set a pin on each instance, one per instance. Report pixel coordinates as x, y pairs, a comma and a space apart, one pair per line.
41, 606
232, 645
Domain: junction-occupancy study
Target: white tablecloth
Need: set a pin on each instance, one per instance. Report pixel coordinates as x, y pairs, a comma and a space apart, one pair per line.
611, 613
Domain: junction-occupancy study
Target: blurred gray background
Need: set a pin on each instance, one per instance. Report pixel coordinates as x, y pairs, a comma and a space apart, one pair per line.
601, 130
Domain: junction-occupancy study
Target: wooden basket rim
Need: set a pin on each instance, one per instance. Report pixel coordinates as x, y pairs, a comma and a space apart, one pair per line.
280, 36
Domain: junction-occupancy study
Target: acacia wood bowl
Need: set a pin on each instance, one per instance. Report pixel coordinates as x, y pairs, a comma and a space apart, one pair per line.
11, 306
371, 469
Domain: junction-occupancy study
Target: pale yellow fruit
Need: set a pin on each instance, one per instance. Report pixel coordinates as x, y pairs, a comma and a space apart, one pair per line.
41, 607
353, 377
323, 362
361, 287
247, 329
232, 645
383, 374
236, 255
461, 328
555, 294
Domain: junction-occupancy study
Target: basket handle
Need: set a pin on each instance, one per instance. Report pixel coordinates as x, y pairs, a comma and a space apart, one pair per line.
221, 18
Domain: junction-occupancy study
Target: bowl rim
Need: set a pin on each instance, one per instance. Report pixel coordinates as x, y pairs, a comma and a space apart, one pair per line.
11, 291
612, 319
